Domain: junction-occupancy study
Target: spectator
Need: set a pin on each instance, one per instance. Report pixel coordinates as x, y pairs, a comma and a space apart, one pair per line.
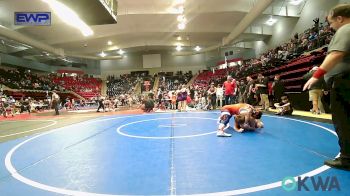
315, 92
284, 107
277, 89
212, 96
262, 91
229, 87
219, 95
55, 101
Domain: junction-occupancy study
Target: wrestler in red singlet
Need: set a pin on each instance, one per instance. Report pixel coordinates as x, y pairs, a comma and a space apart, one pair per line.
236, 109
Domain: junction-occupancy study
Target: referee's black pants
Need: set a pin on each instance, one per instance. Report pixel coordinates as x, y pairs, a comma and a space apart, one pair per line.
340, 107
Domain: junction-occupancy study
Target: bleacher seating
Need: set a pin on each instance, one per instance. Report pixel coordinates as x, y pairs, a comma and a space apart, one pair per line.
172, 82
24, 79
206, 77
87, 87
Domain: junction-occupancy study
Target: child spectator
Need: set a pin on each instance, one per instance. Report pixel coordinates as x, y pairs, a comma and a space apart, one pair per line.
284, 107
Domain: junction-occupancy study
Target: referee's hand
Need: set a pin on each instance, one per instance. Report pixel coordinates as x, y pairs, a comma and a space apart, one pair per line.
309, 83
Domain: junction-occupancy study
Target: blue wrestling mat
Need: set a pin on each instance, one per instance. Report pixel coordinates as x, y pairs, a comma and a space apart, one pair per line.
173, 154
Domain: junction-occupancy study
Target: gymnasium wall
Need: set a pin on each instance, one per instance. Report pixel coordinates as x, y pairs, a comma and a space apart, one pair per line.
170, 63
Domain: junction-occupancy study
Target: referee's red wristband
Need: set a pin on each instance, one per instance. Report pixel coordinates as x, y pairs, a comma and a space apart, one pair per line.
319, 73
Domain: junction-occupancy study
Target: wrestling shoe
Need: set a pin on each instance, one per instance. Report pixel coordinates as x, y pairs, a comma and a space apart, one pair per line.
222, 134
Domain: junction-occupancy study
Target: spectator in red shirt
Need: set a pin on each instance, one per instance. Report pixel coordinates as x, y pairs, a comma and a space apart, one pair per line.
230, 86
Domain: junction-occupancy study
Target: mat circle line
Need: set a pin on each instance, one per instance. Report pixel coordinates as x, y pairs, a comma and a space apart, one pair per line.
31, 130
170, 137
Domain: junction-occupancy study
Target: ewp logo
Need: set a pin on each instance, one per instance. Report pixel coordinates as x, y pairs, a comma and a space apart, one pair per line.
330, 183
33, 18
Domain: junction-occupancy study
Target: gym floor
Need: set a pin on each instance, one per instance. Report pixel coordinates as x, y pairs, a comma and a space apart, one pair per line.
130, 153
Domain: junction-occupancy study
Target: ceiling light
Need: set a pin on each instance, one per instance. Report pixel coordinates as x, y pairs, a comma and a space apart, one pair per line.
25, 45
271, 21
69, 16
67, 60
178, 48
181, 18
181, 9
181, 26
179, 38
115, 48
197, 48
180, 1
109, 43
120, 52
102, 54
295, 2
